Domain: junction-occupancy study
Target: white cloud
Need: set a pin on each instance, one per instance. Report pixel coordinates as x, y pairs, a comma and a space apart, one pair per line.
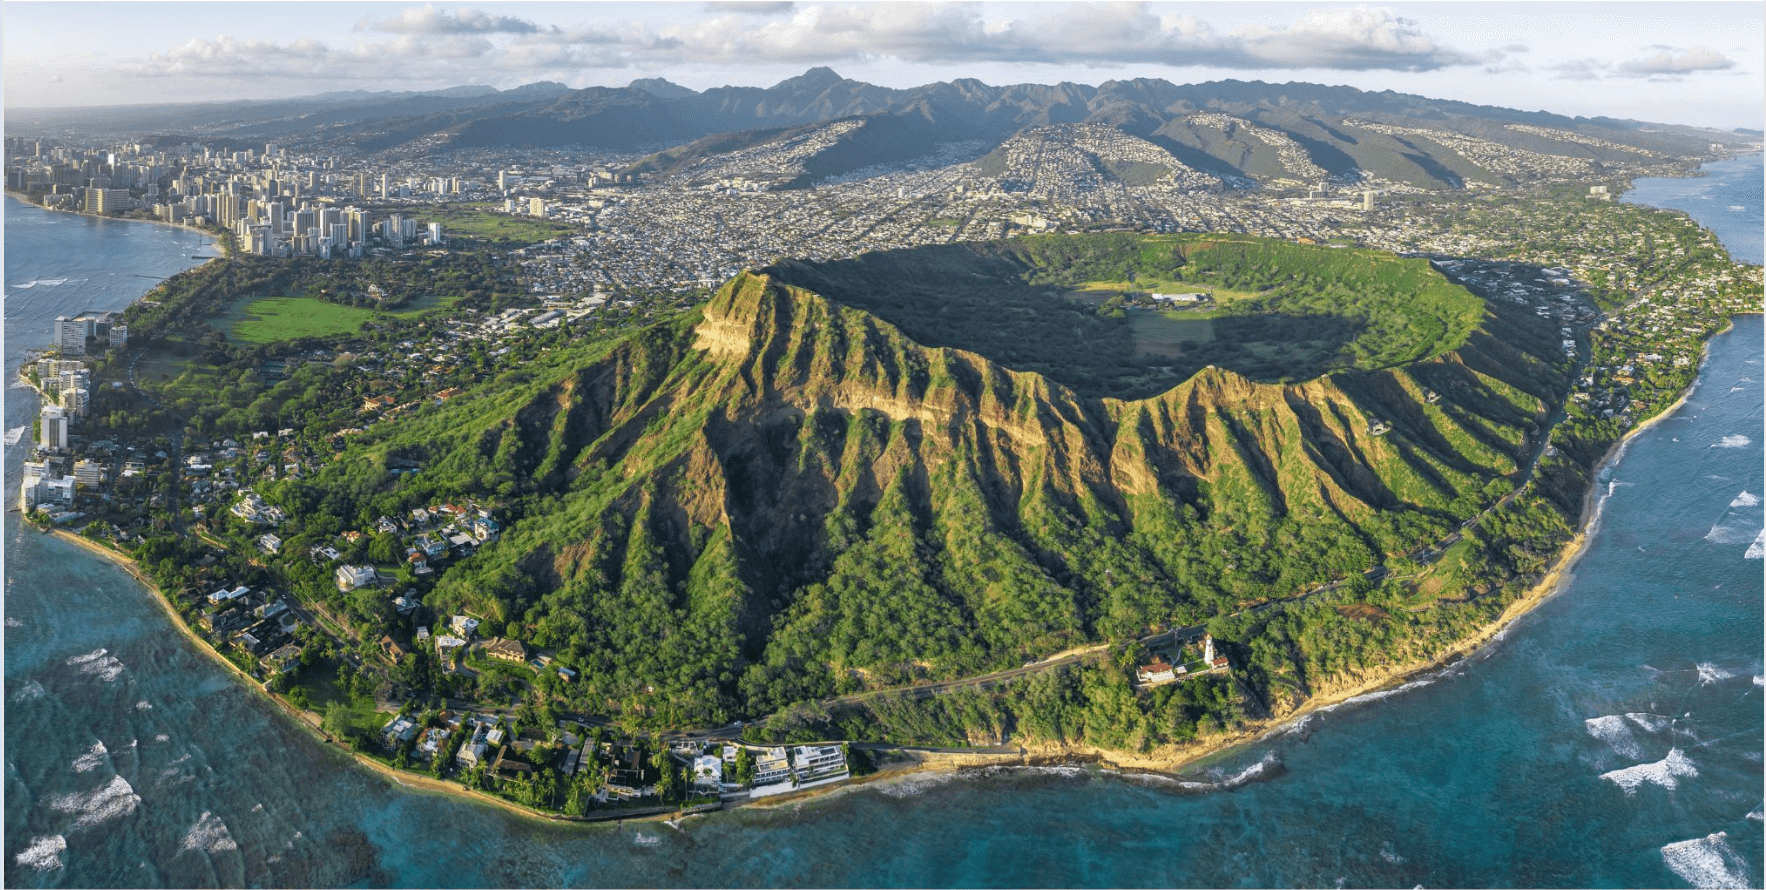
1667, 65
427, 19
748, 34
1671, 62
1093, 34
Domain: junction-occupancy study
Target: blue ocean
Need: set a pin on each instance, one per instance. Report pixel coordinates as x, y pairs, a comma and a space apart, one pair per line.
1612, 737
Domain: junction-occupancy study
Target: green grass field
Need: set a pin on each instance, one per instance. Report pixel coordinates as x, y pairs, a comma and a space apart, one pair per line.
268, 319
486, 225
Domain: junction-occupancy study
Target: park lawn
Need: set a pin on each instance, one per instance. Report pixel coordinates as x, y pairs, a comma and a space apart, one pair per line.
486, 225
268, 319
1163, 333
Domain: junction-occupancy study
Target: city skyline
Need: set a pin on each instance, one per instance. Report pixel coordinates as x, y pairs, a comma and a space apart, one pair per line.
1696, 64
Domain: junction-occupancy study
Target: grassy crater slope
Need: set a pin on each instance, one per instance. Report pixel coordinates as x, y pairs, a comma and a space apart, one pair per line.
785, 497
1288, 312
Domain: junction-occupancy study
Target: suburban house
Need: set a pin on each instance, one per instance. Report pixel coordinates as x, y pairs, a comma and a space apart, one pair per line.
352, 577
506, 650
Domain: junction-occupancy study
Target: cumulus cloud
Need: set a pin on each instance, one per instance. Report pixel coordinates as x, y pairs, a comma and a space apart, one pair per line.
1361, 38
427, 19
1671, 62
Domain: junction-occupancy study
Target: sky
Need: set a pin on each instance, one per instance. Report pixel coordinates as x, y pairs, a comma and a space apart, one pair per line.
1697, 63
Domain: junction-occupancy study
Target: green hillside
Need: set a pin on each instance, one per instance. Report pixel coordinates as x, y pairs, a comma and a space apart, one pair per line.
784, 497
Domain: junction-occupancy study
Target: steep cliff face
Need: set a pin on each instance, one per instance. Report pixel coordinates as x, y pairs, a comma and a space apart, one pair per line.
789, 498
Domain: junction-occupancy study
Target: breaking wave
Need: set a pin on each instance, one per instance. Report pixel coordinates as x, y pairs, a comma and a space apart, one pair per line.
1707, 862
1745, 500
1710, 673
1651, 722
915, 785
1733, 442
1666, 772
100, 662
44, 853
92, 759
210, 835
92, 807
1757, 549
1267, 768
1733, 534
143, 706
1613, 731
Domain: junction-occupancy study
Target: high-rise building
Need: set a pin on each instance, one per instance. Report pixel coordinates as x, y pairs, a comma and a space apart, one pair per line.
52, 433
76, 401
536, 206
70, 335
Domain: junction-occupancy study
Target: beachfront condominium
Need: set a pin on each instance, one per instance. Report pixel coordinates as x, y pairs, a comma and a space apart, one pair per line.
70, 335
52, 433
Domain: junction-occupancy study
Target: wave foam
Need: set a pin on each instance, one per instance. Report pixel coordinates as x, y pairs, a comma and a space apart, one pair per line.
92, 759
1745, 500
31, 691
1612, 731
1757, 549
1733, 442
13, 622
1268, 767
1733, 534
209, 835
1707, 862
1710, 673
646, 840
100, 662
1651, 722
915, 785
113, 800
1666, 772
144, 706
44, 853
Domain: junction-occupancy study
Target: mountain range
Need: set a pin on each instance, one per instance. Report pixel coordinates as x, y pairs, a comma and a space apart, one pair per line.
1239, 132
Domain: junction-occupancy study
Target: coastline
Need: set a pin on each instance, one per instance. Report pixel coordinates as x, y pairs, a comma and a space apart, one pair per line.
1168, 762
307, 720
214, 239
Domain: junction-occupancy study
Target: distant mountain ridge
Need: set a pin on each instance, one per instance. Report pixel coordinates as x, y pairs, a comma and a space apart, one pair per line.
1236, 131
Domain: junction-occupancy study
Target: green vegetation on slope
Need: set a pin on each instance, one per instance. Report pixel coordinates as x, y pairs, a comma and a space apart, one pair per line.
1308, 310
786, 498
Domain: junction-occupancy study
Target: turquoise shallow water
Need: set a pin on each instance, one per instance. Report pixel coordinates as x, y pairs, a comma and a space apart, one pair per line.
132, 760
